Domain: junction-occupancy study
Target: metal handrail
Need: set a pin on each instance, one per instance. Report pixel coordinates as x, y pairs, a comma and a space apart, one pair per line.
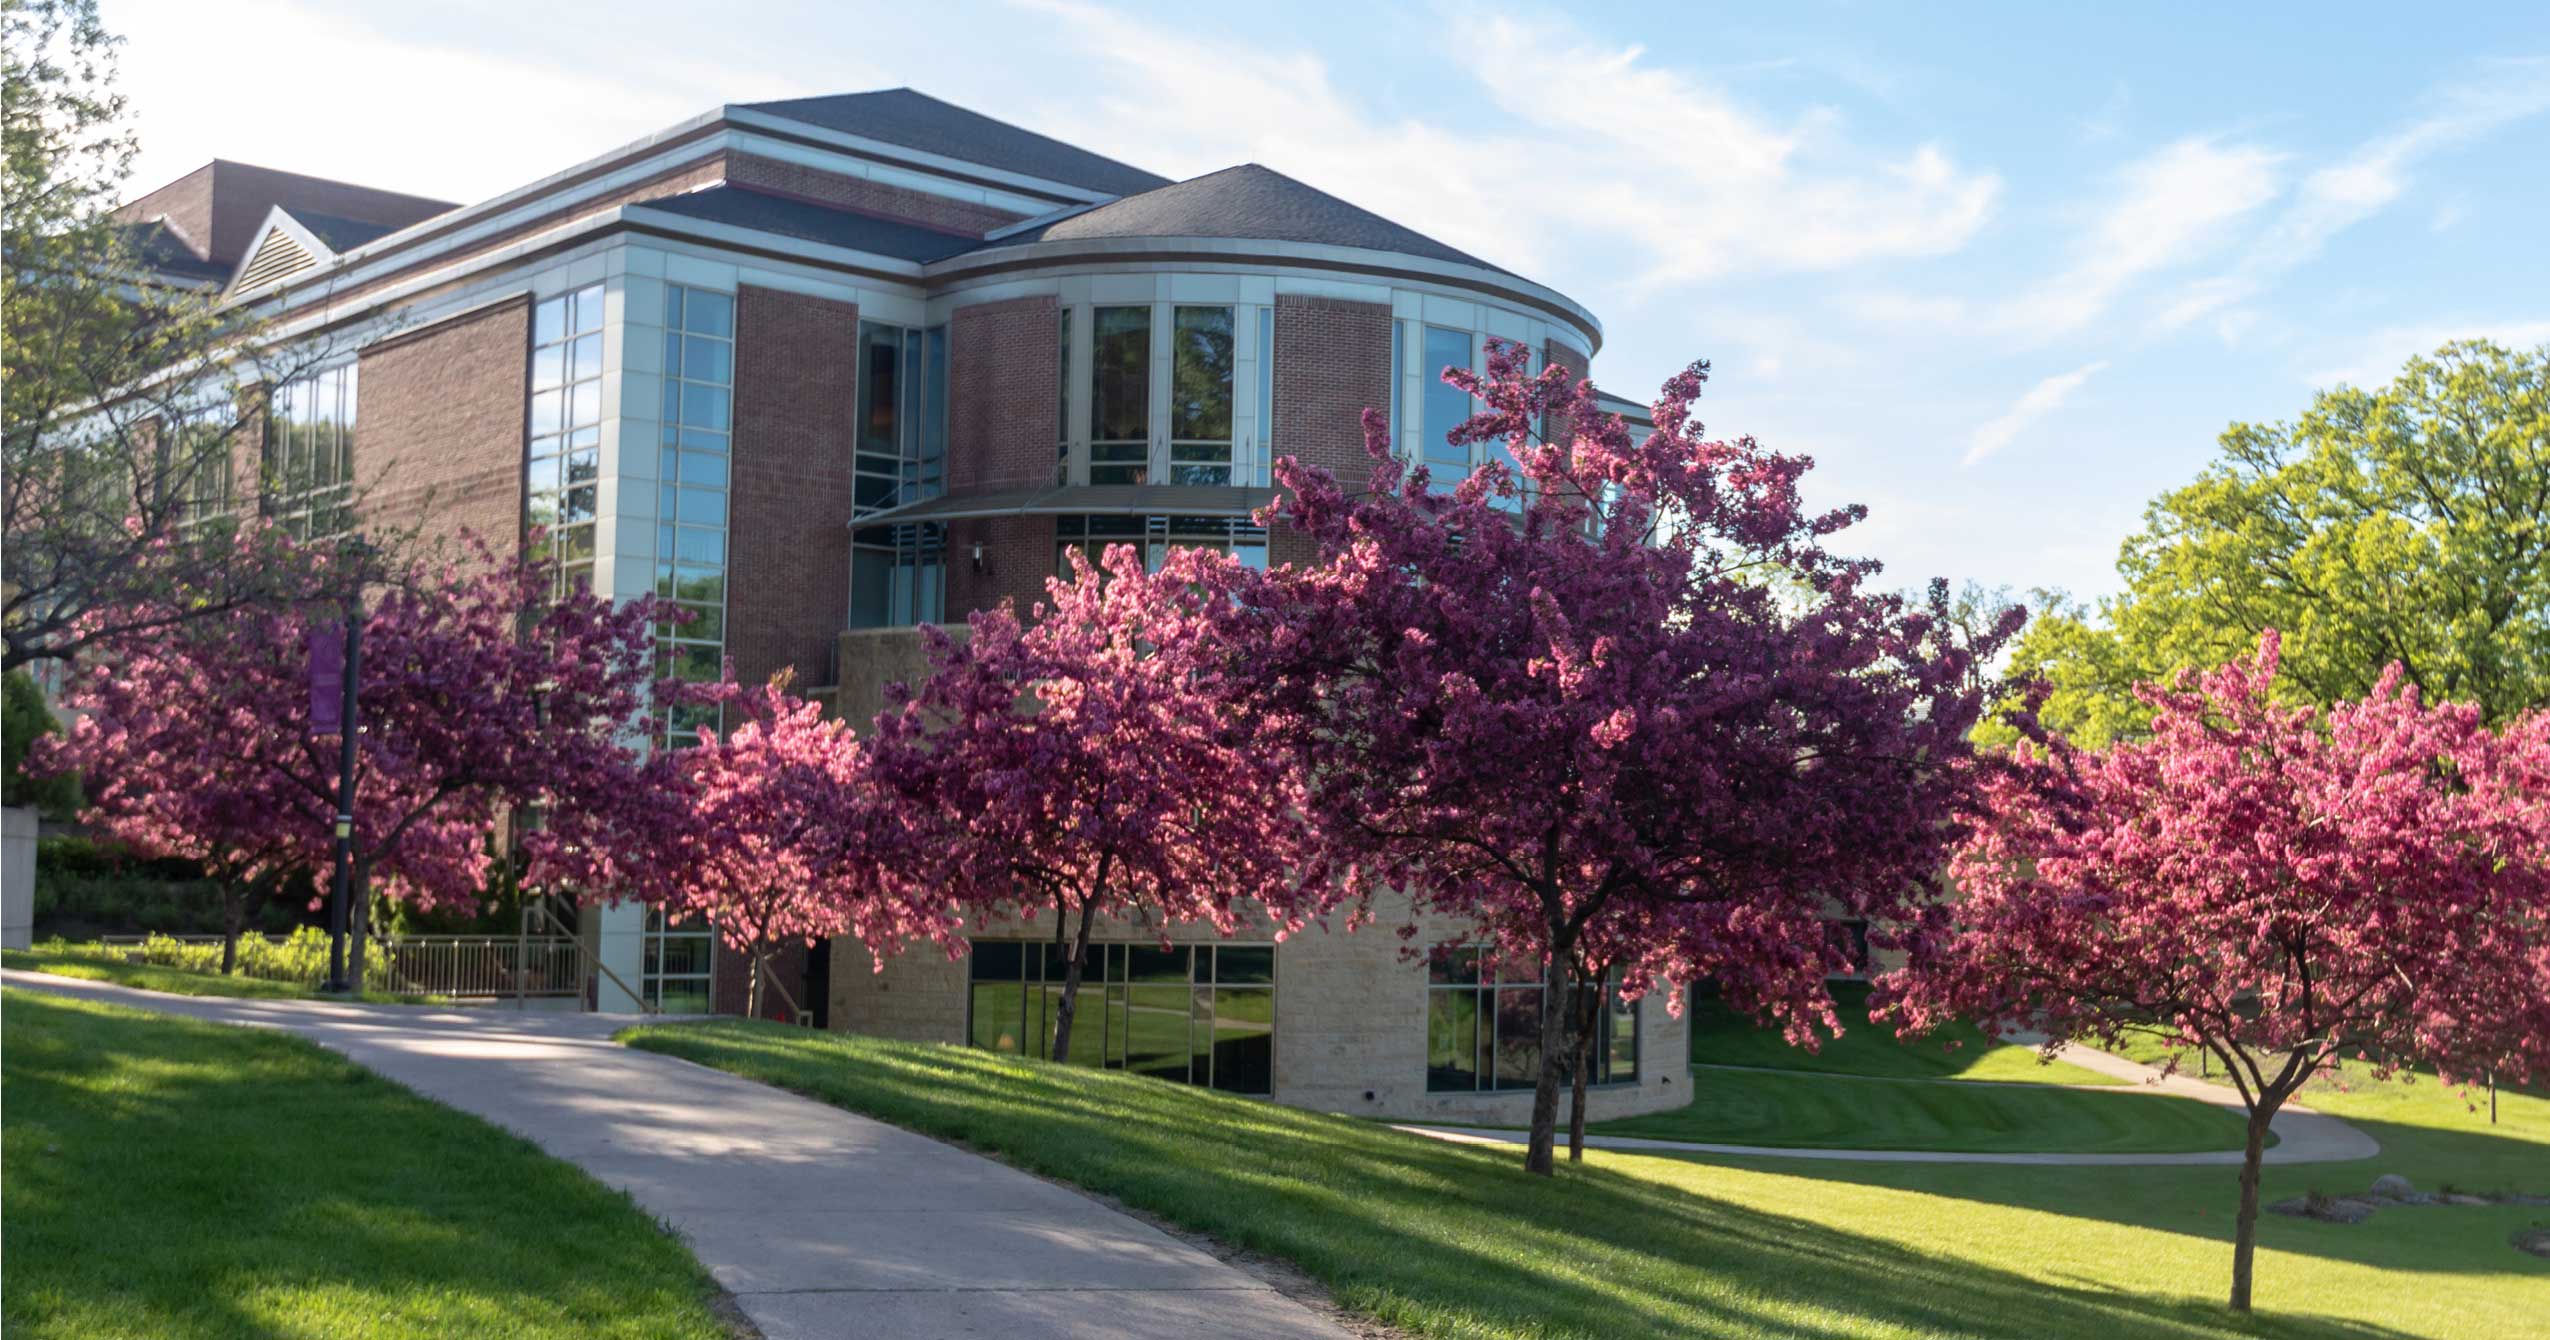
805, 1017
590, 959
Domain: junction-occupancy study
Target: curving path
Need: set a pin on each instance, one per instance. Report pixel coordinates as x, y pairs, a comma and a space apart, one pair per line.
2302, 1135
823, 1225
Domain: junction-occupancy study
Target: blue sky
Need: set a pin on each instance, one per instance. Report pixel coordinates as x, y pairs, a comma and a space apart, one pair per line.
2004, 272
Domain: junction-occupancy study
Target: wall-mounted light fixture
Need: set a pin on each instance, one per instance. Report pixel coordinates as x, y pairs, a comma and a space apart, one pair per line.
978, 556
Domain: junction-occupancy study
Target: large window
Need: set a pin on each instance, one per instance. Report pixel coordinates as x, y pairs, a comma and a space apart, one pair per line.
690, 531
1446, 407
1120, 395
1155, 536
1204, 357
1198, 1014
902, 416
566, 432
675, 975
198, 462
898, 575
309, 453
1483, 1025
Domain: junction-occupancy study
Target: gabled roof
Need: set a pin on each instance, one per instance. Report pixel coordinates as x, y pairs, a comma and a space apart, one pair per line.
919, 121
342, 234
1247, 201
743, 207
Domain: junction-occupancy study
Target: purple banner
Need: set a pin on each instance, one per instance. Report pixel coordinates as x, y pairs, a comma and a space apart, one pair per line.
327, 679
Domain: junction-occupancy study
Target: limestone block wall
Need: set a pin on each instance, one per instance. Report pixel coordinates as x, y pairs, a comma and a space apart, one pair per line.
1350, 1020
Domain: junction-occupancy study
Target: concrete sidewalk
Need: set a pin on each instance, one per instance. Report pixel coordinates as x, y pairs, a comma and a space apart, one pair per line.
824, 1225
2302, 1135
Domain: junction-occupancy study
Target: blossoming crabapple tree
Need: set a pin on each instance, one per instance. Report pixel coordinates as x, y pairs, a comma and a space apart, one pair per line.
769, 836
481, 689
2274, 888
1613, 694
1096, 760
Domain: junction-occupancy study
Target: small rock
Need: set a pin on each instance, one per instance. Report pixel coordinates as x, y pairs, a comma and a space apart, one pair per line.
2348, 1211
2533, 1240
2392, 1184
2458, 1199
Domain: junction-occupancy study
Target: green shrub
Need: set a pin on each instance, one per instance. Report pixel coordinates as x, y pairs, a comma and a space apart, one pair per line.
23, 719
301, 957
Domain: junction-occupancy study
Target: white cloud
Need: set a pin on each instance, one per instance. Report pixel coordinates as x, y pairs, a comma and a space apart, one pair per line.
2042, 399
1644, 168
2376, 358
2167, 209
2364, 183
461, 112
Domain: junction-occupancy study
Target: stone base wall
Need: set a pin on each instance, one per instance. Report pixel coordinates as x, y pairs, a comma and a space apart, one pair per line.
1350, 1021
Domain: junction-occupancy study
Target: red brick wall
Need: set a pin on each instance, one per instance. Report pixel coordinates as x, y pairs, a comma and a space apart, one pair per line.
787, 529
1332, 362
1018, 555
901, 202
1004, 421
439, 441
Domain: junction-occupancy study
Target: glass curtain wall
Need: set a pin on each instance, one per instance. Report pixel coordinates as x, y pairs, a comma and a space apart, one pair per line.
690, 535
899, 572
1197, 1014
1483, 1025
566, 432
309, 453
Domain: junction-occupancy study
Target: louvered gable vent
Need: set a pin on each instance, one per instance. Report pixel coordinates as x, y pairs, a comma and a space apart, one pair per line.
280, 254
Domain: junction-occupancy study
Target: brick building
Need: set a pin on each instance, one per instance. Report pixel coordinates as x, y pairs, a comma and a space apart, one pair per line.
828, 368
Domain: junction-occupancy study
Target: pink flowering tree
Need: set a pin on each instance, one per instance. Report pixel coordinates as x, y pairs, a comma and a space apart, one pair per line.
1610, 702
771, 848
2279, 890
1098, 763
480, 692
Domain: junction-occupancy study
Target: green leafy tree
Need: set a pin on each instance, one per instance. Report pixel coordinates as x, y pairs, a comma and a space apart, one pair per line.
125, 396
2402, 524
24, 719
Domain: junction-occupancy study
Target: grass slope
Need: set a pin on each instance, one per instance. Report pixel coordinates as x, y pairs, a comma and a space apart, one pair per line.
92, 965
1456, 1241
1720, 1036
1807, 1111
173, 1180
1866, 1090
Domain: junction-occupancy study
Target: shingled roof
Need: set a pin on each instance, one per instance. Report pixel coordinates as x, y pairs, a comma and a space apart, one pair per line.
919, 121
1248, 201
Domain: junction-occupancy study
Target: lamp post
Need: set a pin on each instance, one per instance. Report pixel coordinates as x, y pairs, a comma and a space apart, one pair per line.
354, 550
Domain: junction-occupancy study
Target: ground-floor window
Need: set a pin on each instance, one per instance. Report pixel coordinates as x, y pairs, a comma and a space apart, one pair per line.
1155, 536
1483, 1025
1201, 1014
677, 966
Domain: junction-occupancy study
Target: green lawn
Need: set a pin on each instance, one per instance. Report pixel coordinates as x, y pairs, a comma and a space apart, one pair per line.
94, 965
1456, 1241
1866, 1090
1808, 1111
171, 1180
1720, 1036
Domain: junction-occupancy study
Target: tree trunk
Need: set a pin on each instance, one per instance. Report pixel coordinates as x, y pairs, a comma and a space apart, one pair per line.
233, 913
1558, 1018
2244, 1241
1070, 1004
1588, 1013
752, 985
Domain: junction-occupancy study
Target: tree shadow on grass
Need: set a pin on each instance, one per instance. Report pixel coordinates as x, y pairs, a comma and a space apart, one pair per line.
1441, 1238
178, 1179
